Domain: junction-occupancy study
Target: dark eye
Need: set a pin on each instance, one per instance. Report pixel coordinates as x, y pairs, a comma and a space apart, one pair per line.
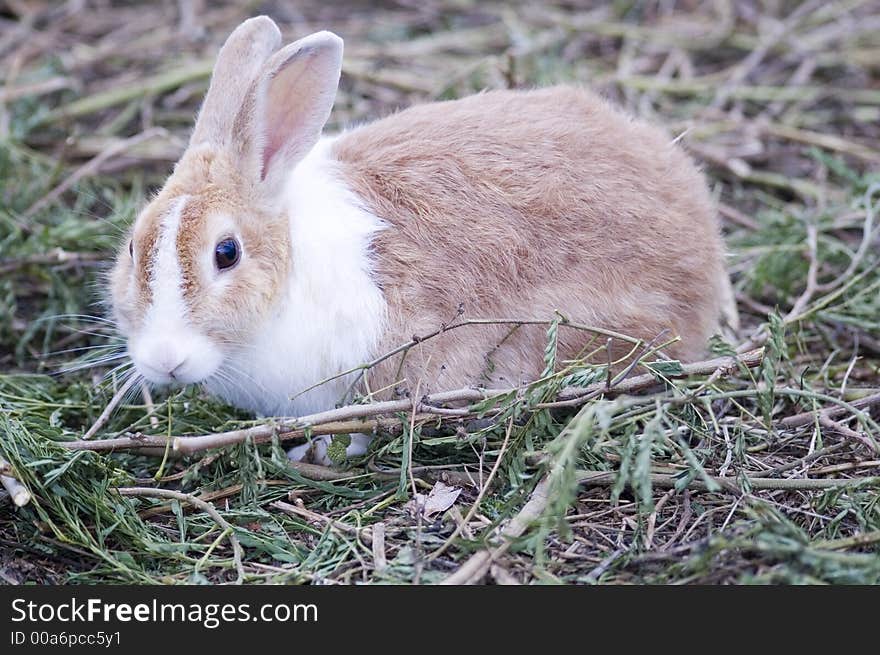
131, 249
226, 254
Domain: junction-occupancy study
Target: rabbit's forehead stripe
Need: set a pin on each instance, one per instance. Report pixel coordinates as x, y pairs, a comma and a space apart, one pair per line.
165, 287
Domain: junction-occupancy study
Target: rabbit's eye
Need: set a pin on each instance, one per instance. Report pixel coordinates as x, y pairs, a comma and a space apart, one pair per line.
131, 249
226, 254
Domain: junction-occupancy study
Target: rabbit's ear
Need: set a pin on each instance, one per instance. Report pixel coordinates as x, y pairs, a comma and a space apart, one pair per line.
240, 61
292, 101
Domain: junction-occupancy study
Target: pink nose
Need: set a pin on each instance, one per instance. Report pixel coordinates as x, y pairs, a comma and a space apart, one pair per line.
165, 357
168, 354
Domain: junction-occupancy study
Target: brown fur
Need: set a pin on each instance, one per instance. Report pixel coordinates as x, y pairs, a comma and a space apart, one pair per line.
517, 204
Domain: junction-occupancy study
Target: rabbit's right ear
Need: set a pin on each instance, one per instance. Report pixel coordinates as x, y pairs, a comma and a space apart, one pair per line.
294, 98
240, 61
283, 113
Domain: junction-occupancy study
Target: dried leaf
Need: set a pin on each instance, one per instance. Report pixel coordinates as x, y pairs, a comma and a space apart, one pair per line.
439, 499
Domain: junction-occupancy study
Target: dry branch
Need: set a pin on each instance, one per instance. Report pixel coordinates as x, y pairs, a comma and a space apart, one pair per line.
367, 418
806, 418
17, 491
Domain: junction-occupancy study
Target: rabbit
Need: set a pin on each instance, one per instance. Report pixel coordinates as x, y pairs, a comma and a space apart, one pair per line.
276, 257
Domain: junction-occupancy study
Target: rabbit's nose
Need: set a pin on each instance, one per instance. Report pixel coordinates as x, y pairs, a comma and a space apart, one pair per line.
175, 356
166, 357
171, 372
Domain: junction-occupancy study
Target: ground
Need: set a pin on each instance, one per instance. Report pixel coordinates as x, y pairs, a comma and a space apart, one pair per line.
758, 470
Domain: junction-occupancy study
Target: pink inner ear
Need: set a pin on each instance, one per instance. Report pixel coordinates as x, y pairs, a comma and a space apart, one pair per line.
269, 151
289, 108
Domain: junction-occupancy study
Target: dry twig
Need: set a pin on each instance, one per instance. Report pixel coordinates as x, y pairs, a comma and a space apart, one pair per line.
363, 418
17, 491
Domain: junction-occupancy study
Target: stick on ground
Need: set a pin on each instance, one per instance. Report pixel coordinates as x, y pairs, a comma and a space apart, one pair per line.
363, 418
17, 491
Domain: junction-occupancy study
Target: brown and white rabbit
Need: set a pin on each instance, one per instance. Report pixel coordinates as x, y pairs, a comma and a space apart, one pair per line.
274, 258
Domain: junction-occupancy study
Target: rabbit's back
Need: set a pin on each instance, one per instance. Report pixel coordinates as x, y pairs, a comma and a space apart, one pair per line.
514, 204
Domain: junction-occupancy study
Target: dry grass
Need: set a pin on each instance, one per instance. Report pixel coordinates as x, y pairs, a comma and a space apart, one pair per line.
765, 474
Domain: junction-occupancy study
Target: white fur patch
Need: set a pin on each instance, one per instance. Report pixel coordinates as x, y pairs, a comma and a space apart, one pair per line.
166, 276
167, 349
332, 314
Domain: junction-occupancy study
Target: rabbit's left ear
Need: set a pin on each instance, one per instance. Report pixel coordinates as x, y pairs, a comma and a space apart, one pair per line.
290, 103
